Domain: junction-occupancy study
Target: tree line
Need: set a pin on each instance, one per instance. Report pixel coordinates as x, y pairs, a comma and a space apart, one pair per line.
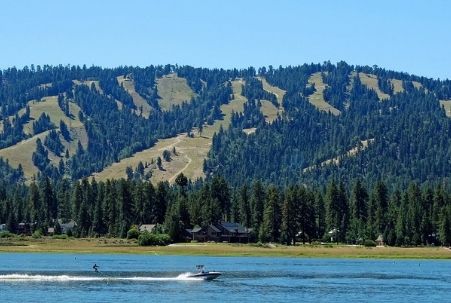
342, 212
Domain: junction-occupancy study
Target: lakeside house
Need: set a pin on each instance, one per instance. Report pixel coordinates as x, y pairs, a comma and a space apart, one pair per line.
380, 240
24, 228
220, 232
67, 226
50, 231
147, 227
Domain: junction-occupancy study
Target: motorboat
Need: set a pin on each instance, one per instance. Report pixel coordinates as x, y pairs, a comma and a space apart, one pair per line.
203, 274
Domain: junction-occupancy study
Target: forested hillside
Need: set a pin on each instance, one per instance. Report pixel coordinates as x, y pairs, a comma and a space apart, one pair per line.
401, 136
298, 124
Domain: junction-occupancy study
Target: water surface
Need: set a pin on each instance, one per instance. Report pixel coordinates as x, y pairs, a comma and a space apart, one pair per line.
137, 278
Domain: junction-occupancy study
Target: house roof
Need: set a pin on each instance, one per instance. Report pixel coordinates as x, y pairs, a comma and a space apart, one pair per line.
68, 224
215, 229
196, 229
147, 227
234, 227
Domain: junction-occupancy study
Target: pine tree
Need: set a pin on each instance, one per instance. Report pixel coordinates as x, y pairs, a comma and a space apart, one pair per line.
358, 207
34, 204
257, 202
270, 227
98, 226
320, 213
161, 202
289, 217
445, 226
149, 203
245, 211
221, 193
125, 206
380, 198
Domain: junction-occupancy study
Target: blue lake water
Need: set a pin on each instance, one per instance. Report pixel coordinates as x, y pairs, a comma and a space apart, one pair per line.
137, 278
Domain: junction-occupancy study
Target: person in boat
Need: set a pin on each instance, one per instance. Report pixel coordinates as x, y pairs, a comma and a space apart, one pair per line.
95, 267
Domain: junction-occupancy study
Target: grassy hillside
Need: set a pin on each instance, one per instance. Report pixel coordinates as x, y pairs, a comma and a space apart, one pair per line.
446, 104
190, 152
370, 81
173, 90
138, 100
21, 153
336, 161
317, 98
89, 83
397, 86
280, 93
269, 111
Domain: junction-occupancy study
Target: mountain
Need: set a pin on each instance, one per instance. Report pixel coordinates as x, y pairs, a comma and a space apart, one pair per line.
291, 124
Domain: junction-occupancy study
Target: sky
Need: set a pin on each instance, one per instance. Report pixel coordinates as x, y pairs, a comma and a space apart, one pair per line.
410, 36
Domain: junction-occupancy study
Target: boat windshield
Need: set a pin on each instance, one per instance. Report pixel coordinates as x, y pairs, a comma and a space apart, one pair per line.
200, 268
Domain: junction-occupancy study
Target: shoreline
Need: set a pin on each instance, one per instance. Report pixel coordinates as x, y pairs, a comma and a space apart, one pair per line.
123, 246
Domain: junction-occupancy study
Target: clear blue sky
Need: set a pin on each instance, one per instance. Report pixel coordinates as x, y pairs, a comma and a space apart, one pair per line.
412, 36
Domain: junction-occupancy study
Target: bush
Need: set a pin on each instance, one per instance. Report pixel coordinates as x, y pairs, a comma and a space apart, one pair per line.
37, 234
146, 239
133, 233
6, 234
60, 237
369, 243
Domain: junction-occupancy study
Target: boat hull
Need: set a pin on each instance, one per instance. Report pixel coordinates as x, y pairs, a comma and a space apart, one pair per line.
207, 276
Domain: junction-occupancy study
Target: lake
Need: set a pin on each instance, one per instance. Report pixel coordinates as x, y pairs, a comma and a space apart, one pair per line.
60, 278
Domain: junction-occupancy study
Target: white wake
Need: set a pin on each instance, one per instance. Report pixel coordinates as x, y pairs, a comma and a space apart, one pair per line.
101, 277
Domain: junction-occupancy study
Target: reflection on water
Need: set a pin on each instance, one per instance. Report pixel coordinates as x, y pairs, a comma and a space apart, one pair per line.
137, 278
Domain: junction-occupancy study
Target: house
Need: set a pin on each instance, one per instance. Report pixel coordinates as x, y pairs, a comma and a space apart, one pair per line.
220, 232
24, 228
147, 227
333, 234
380, 240
234, 232
206, 233
67, 226
3, 227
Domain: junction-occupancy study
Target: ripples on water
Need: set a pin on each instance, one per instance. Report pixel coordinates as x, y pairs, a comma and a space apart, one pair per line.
129, 278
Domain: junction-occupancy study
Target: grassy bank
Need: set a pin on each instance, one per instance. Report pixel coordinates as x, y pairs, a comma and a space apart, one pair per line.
121, 246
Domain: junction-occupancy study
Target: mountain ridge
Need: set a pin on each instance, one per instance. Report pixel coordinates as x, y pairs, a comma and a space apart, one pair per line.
270, 97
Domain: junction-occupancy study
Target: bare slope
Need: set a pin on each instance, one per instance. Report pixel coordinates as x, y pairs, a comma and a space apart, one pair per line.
446, 104
280, 93
370, 81
89, 83
21, 153
317, 98
397, 86
173, 90
138, 100
268, 109
190, 152
336, 161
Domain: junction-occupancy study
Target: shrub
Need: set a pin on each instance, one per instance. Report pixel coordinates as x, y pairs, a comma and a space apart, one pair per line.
369, 243
6, 234
146, 239
37, 234
60, 237
133, 233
